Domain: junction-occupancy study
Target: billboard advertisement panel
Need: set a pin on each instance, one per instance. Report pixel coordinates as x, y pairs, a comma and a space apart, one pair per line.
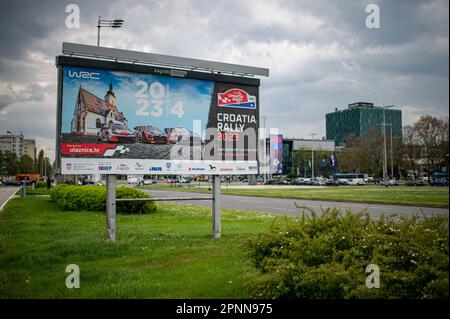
276, 154
154, 121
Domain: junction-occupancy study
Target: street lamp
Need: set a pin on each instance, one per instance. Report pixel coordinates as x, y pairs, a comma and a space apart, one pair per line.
264, 117
384, 137
116, 23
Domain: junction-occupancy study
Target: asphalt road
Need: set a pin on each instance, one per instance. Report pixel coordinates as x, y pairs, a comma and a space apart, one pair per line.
6, 192
280, 206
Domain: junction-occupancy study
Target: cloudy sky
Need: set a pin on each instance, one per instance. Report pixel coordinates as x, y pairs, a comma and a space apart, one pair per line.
320, 54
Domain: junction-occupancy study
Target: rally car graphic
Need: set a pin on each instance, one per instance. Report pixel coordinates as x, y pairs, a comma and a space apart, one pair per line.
115, 132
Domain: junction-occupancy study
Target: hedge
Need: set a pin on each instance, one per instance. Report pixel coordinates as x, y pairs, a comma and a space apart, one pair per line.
326, 257
93, 198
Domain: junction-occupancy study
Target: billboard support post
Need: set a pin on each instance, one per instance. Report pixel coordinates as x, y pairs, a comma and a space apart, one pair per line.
111, 208
216, 206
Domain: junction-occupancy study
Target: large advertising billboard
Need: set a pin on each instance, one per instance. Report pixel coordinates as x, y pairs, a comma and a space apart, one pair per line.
155, 121
276, 154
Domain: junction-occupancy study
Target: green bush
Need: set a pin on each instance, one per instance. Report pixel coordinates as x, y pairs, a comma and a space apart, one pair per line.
41, 184
326, 256
93, 198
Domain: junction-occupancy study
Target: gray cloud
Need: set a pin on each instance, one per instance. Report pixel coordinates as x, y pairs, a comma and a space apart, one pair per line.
320, 53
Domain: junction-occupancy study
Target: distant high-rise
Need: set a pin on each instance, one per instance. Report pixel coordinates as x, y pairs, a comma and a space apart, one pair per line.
358, 118
16, 143
12, 143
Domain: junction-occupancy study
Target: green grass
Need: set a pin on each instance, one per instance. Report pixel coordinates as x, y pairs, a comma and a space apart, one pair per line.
400, 195
37, 191
168, 254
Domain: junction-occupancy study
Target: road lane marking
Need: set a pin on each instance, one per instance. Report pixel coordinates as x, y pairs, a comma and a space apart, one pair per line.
3, 205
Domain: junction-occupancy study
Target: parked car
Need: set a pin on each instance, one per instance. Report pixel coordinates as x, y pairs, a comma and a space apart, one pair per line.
390, 182
178, 134
331, 182
416, 182
356, 181
343, 181
11, 183
149, 181
116, 132
439, 182
132, 180
150, 134
299, 181
369, 179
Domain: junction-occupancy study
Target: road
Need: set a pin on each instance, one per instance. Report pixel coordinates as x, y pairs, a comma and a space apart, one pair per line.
6, 192
286, 206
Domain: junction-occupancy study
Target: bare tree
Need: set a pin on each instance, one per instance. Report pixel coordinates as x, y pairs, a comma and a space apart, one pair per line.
432, 134
363, 154
411, 148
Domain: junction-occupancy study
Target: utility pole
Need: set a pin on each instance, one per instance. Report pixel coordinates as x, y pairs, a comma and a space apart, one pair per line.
312, 156
384, 138
264, 117
392, 155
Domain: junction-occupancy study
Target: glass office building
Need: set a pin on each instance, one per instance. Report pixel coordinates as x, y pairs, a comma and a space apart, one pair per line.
359, 117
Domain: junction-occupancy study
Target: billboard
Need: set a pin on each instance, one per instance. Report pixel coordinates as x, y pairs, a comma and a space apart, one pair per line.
118, 118
276, 154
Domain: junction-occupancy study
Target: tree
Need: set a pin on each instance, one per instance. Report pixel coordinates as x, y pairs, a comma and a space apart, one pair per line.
26, 165
2, 164
48, 170
411, 148
363, 154
11, 163
40, 162
432, 134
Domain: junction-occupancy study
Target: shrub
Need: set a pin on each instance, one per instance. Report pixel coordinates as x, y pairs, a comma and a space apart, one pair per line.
326, 256
93, 198
41, 184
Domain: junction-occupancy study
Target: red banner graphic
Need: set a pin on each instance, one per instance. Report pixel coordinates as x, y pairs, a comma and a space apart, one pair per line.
85, 149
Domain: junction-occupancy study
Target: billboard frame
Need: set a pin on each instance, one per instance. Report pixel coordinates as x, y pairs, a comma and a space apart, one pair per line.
172, 66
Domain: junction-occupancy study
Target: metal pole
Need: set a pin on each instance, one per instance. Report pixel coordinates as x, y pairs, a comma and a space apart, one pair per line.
392, 156
98, 31
216, 207
312, 164
265, 151
98, 35
111, 208
385, 152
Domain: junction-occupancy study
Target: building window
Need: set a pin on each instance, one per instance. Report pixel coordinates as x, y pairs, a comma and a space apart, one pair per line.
98, 123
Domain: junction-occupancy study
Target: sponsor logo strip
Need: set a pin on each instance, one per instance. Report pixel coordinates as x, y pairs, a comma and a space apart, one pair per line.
157, 167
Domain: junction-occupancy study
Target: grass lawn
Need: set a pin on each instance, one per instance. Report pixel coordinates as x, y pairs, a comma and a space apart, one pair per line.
168, 254
37, 191
401, 195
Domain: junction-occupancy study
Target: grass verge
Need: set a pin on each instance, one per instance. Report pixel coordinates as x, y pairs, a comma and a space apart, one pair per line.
425, 196
167, 254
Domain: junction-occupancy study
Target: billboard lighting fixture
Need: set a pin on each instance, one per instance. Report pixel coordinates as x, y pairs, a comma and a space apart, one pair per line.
136, 57
107, 23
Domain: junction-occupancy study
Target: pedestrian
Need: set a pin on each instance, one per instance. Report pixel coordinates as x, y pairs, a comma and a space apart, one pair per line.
49, 183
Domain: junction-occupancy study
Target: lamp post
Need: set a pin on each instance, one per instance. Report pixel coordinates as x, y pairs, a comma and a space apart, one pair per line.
392, 155
107, 23
384, 138
264, 117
